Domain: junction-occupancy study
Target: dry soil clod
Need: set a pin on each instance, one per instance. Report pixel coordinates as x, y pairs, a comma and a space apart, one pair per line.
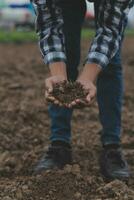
67, 92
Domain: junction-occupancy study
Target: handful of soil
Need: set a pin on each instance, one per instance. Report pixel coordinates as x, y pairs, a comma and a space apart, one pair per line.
67, 92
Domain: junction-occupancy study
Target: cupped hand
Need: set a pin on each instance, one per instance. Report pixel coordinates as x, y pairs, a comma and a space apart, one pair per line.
90, 88
49, 83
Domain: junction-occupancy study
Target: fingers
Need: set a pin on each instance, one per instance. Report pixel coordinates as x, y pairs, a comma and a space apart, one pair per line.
49, 83
48, 93
52, 99
87, 99
73, 103
78, 103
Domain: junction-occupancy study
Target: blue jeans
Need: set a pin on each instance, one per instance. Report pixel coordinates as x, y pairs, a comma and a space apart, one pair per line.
109, 84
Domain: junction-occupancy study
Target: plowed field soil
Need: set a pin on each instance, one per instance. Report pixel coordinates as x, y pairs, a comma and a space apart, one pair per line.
24, 132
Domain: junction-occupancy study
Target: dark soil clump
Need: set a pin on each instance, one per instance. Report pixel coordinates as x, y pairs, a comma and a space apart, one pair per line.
67, 92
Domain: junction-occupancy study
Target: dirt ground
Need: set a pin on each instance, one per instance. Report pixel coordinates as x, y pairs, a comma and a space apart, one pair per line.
24, 132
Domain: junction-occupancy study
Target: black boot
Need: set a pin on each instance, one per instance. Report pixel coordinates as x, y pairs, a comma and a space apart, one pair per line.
58, 155
113, 164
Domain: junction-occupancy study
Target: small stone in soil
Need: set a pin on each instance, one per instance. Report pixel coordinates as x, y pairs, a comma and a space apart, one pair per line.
75, 169
68, 168
77, 195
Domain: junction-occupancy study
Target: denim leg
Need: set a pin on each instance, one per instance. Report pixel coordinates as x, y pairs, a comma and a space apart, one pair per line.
110, 96
73, 14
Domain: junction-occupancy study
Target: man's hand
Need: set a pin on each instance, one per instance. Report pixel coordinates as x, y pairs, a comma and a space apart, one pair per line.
91, 89
49, 82
88, 78
58, 74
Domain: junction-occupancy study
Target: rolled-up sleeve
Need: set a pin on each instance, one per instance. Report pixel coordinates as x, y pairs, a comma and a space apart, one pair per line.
49, 27
110, 26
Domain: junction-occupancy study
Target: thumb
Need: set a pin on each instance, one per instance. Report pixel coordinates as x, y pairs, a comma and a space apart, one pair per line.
91, 96
88, 98
49, 85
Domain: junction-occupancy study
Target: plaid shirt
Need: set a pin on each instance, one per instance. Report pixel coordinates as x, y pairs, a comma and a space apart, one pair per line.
110, 22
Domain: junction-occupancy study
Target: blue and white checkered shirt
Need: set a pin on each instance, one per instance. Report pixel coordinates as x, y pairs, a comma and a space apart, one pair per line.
110, 22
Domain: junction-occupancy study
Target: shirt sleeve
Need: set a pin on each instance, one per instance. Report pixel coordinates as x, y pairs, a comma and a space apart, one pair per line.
49, 27
111, 20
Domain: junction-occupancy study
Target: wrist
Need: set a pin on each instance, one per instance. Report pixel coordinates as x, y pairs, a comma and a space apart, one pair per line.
90, 72
58, 69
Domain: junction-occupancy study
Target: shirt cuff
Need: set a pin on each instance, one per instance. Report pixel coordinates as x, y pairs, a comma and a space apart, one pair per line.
54, 57
97, 58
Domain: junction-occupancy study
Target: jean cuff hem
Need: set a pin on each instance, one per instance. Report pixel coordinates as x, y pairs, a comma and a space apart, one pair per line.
61, 139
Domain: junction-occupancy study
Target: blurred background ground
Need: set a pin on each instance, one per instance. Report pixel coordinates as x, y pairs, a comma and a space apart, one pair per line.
24, 132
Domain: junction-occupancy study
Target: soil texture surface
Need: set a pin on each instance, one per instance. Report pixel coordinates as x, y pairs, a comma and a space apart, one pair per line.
25, 130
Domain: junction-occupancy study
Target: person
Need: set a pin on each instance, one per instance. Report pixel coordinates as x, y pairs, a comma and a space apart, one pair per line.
58, 25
